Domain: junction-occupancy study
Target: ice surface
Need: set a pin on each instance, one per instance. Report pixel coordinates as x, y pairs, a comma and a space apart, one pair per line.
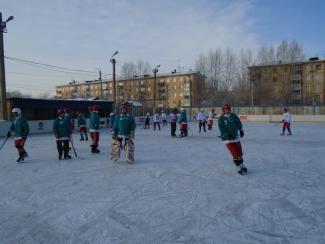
181, 190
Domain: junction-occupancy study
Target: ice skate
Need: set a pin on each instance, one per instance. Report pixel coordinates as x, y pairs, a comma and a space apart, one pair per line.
20, 159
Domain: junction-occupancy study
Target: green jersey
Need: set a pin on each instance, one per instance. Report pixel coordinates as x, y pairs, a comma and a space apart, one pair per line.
229, 125
20, 126
124, 125
62, 128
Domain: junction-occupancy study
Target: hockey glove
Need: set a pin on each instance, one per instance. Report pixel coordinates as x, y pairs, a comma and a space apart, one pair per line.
241, 133
57, 136
8, 134
97, 127
114, 137
132, 135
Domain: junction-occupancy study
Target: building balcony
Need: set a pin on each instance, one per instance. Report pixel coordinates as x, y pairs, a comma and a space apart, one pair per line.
295, 81
296, 90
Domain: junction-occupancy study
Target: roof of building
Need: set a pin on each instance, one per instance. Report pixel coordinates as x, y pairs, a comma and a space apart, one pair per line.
26, 99
311, 60
131, 79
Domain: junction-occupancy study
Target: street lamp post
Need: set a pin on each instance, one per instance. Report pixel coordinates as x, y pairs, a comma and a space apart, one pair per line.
155, 71
113, 61
3, 95
101, 84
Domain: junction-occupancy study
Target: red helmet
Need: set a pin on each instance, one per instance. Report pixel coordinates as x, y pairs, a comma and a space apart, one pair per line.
125, 104
226, 106
95, 108
60, 111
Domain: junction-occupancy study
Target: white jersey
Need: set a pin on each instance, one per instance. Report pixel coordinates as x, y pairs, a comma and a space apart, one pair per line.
286, 117
210, 116
156, 118
201, 116
163, 116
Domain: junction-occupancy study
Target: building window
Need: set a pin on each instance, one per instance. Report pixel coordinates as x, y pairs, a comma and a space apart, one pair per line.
318, 77
308, 77
308, 67
318, 66
317, 87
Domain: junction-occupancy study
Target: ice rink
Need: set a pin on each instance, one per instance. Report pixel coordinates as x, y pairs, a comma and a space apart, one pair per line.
180, 190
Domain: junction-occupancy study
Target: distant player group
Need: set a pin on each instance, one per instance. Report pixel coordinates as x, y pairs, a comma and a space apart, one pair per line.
123, 129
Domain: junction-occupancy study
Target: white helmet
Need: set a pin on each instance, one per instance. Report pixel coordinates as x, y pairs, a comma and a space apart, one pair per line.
16, 110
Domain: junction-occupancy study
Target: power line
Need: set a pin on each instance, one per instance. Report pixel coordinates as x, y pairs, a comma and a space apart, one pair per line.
52, 67
23, 84
47, 65
40, 75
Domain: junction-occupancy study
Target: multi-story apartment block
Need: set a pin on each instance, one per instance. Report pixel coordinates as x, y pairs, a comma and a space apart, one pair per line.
291, 83
173, 90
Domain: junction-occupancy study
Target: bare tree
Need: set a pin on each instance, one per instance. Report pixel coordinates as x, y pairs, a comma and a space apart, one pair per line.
17, 93
283, 52
229, 70
295, 52
215, 67
243, 86
45, 95
147, 68
128, 70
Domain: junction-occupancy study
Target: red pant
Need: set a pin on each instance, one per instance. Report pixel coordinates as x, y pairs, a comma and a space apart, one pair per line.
235, 150
19, 143
286, 125
95, 137
82, 129
183, 127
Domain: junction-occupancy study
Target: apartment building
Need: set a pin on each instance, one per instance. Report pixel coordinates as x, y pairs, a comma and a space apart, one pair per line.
290, 83
172, 90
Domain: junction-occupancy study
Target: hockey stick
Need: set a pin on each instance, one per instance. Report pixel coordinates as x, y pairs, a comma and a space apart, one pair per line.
4, 142
74, 149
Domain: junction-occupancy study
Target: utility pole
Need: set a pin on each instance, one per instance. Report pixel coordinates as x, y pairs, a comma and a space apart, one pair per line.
155, 70
190, 94
113, 61
3, 95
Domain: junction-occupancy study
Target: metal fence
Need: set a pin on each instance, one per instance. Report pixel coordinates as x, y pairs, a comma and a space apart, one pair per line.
268, 110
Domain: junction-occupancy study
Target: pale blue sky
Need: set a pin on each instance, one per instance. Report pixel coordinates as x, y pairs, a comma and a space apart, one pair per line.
82, 34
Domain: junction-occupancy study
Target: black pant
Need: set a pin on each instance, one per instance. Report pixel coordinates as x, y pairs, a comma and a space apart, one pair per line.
147, 124
63, 147
173, 128
200, 125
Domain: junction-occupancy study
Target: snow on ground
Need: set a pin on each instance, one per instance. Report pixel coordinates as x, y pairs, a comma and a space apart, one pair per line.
181, 190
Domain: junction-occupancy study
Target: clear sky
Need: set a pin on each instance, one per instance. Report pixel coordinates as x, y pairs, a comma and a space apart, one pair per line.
83, 34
